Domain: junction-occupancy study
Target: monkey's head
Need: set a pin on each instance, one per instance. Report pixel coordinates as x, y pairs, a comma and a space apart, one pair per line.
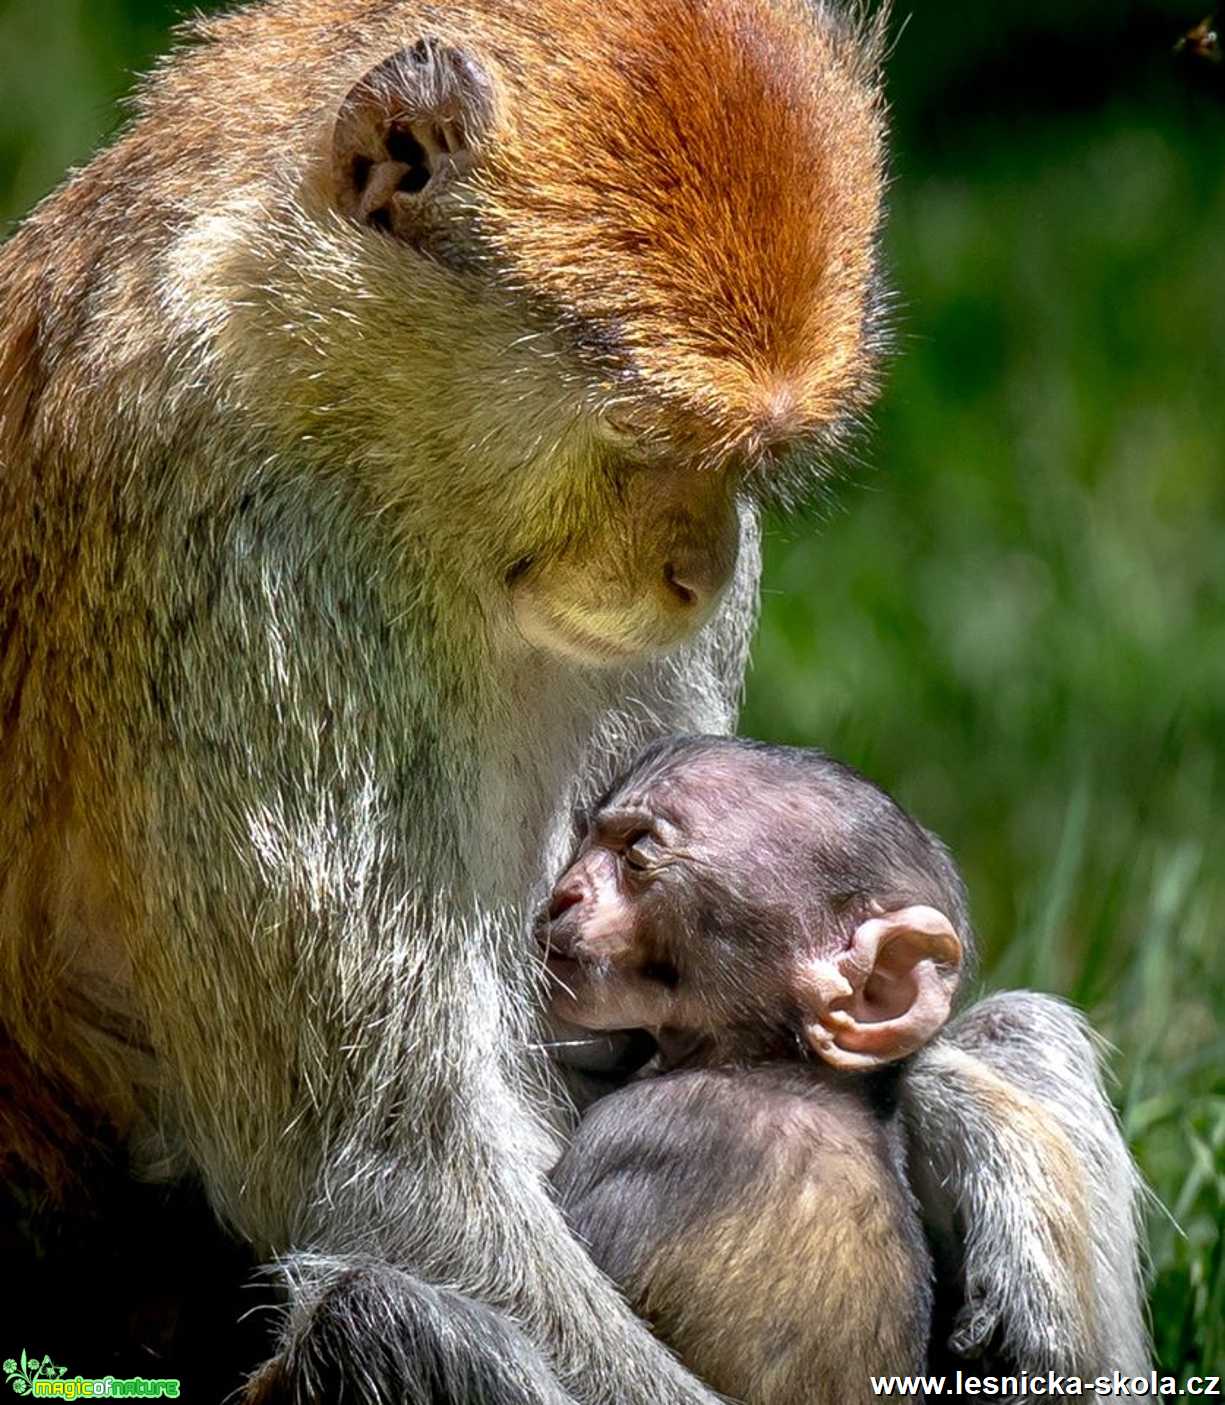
573, 287
725, 888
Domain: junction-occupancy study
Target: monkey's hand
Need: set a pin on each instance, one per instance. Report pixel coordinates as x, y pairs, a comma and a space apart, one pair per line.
975, 1324
375, 1335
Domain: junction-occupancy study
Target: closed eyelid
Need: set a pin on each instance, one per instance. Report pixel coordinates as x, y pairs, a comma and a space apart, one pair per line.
622, 824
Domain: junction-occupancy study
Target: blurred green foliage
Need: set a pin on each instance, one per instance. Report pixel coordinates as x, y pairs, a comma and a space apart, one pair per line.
1014, 617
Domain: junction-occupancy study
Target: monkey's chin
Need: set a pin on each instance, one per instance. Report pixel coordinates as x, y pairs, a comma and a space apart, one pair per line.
606, 641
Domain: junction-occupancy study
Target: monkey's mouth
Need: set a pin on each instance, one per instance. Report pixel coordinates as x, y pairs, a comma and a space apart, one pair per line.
567, 986
565, 968
555, 943
558, 958
565, 618
554, 631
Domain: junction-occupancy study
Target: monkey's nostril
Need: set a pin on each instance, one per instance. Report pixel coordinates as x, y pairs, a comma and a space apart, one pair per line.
684, 593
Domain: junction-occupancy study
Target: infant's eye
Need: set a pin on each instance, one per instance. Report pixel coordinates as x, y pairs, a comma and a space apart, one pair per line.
640, 850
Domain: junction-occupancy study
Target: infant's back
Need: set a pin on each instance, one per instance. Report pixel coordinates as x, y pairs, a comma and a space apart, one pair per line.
759, 1219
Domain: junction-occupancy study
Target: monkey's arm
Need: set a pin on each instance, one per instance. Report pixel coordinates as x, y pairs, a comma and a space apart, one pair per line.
1030, 1194
339, 1019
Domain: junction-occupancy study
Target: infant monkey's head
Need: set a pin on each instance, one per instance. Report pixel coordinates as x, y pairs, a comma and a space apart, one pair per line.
765, 896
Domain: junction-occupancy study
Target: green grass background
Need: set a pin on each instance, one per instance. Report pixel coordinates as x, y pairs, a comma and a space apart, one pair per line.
1014, 614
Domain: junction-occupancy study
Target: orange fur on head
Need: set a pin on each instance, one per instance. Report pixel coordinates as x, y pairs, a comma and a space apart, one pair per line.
703, 183
670, 215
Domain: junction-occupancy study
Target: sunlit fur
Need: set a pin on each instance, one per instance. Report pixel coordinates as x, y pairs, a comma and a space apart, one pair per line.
202, 363
281, 771
761, 1222
1011, 1096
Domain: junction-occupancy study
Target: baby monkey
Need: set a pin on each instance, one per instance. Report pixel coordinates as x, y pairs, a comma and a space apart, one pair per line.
786, 933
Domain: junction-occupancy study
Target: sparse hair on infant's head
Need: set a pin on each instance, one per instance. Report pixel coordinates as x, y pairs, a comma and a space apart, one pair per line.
767, 897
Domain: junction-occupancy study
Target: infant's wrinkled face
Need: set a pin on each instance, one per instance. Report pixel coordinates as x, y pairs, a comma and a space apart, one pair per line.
597, 940
645, 930
764, 897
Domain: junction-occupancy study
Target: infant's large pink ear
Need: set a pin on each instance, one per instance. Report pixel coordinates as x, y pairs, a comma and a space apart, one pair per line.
889, 993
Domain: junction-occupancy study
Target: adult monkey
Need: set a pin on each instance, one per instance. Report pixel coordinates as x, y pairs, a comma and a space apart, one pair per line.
382, 422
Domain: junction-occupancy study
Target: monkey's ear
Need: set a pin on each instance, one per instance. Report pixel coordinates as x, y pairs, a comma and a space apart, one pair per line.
405, 132
889, 993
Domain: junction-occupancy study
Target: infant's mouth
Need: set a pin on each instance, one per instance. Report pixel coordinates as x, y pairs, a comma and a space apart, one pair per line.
561, 965
554, 937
